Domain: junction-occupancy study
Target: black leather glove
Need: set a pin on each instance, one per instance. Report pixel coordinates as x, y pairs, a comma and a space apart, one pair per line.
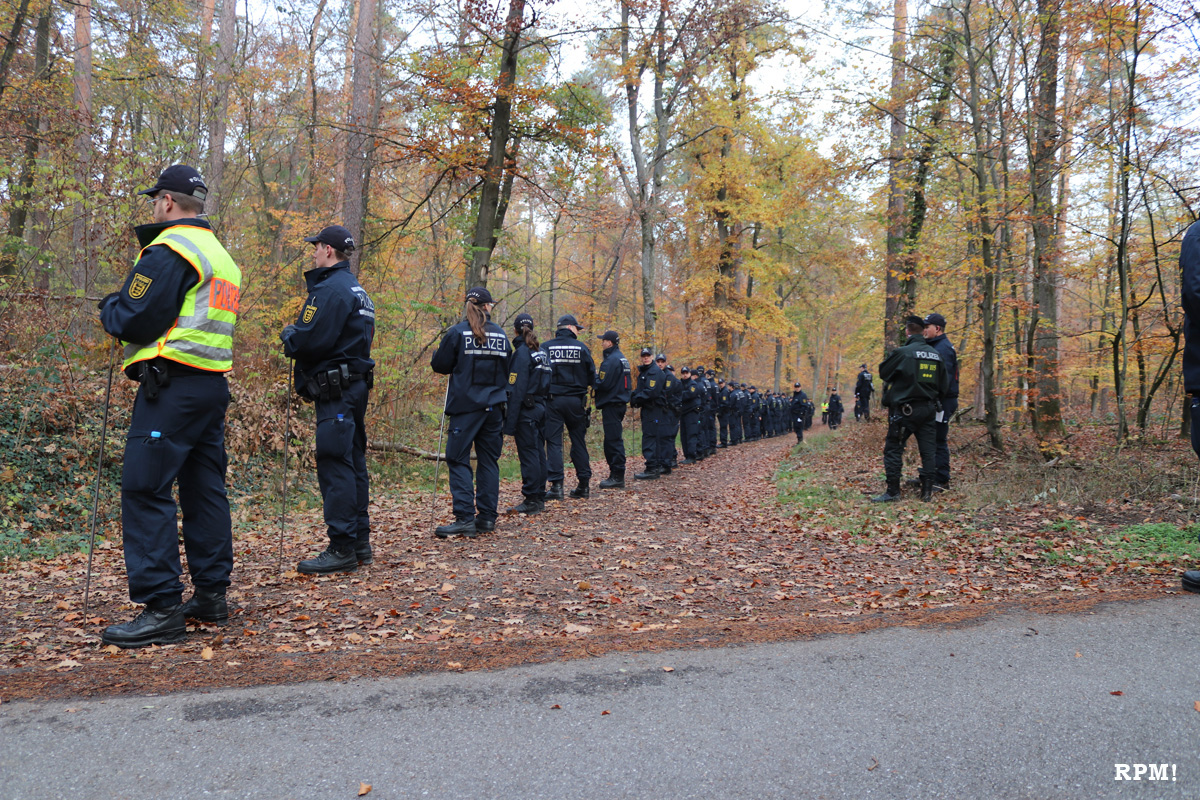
286, 333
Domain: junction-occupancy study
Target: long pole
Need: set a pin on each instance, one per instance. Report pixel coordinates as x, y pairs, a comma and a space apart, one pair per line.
87, 582
438, 461
287, 446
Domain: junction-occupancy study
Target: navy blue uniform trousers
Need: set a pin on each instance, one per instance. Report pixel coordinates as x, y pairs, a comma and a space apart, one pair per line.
668, 456
651, 422
942, 442
612, 416
689, 429
178, 436
531, 450
475, 494
566, 411
342, 467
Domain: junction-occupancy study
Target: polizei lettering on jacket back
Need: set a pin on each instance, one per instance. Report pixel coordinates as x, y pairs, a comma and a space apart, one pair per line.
496, 344
565, 354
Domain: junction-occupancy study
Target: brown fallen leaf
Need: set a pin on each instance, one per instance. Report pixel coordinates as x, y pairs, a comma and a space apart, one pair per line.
668, 669
1117, 694
363, 788
454, 665
605, 713
112, 650
556, 705
206, 653
1197, 705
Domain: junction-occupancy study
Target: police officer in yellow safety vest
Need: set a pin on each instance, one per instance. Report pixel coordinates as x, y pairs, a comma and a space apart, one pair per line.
175, 316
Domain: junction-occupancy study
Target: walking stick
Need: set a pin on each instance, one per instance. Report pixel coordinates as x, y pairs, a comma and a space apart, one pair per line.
87, 582
438, 461
287, 442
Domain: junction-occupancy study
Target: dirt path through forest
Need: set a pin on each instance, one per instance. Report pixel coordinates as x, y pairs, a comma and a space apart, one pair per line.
703, 557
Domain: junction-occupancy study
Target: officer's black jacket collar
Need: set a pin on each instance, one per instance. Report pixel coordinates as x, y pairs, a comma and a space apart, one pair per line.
916, 337
564, 332
318, 274
149, 232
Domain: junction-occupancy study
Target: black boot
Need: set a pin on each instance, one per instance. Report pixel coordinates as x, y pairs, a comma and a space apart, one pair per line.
460, 527
555, 492
582, 491
927, 489
687, 461
890, 496
615, 480
207, 605
155, 625
1191, 581
529, 506
651, 474
362, 549
484, 525
329, 561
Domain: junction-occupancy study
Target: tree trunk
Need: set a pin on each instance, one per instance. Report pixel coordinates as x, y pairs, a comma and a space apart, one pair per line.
1042, 339
23, 191
358, 136
894, 264
83, 145
214, 175
10, 47
499, 167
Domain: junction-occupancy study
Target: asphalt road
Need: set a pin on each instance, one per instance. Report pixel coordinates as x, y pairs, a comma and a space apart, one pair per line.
1018, 706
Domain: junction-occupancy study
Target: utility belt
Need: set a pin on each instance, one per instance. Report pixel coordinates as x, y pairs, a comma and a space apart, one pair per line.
910, 407
329, 384
155, 374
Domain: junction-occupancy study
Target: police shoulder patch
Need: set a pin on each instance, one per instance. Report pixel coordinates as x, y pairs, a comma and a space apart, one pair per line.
139, 286
310, 311
512, 377
652, 384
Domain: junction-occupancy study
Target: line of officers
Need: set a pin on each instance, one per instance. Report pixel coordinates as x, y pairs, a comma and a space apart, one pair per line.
538, 392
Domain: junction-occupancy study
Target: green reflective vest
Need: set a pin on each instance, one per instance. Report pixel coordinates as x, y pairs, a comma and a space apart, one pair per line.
202, 336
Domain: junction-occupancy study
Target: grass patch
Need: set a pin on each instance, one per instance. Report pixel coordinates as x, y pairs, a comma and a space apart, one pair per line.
1156, 541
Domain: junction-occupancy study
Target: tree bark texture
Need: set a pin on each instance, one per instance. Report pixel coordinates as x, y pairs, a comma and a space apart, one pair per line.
499, 166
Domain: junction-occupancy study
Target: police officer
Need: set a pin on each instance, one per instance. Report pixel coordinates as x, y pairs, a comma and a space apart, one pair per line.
525, 418
475, 354
753, 423
692, 396
864, 387
836, 409
714, 403
648, 397
574, 372
614, 385
175, 315
673, 398
914, 381
724, 399
935, 336
737, 416
798, 409
331, 343
1189, 267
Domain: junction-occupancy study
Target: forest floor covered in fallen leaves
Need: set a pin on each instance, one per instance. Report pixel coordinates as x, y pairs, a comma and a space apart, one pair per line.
761, 542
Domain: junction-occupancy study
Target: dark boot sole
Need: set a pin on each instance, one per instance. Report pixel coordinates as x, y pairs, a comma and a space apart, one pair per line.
351, 568
211, 619
1190, 586
168, 638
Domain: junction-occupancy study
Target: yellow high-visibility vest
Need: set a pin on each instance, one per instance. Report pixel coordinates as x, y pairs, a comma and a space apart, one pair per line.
202, 335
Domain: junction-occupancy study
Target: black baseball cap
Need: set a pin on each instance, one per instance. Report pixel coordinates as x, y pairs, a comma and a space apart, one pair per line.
935, 319
743, 386
685, 369
567, 319
480, 295
712, 372
335, 236
661, 357
796, 384
610, 336
522, 319
720, 380
913, 319
646, 351
179, 178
